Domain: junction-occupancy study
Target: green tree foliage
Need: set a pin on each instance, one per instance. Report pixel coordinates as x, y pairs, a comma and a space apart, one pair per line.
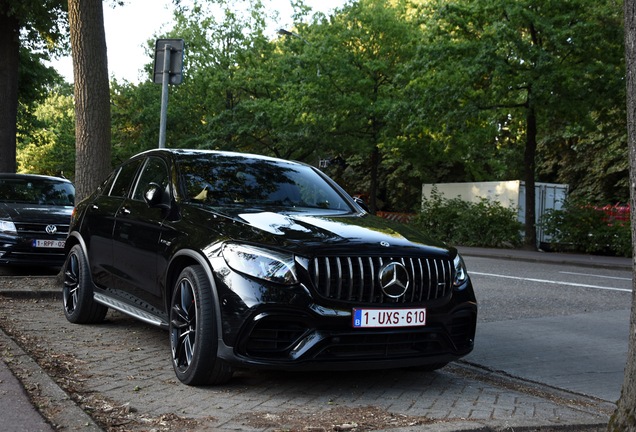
34, 85
457, 222
580, 227
398, 93
29, 31
593, 161
135, 111
327, 90
48, 147
360, 52
230, 99
489, 64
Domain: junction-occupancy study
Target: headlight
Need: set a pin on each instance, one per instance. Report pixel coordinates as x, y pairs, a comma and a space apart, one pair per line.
262, 263
7, 227
461, 275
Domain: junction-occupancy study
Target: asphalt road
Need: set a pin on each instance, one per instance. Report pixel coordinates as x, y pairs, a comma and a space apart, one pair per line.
565, 326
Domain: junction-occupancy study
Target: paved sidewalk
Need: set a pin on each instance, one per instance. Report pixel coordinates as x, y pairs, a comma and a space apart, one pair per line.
126, 363
596, 261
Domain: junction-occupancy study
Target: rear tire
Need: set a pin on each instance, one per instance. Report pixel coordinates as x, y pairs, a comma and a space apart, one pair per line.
193, 331
77, 291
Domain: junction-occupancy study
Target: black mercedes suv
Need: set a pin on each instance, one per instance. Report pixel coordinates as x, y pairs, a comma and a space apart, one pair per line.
258, 262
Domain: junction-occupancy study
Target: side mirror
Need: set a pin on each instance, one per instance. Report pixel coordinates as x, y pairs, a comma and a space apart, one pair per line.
153, 196
362, 204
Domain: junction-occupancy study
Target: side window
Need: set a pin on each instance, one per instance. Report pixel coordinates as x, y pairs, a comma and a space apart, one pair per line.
155, 171
124, 179
107, 184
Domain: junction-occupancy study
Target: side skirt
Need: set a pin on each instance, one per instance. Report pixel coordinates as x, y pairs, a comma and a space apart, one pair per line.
133, 311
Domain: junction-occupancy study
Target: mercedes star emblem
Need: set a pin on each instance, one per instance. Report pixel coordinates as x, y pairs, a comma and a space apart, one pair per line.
394, 279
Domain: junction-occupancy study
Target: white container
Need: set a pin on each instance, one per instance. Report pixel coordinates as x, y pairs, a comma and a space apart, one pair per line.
511, 194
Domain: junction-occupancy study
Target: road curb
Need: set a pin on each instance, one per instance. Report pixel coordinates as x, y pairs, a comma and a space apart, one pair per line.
66, 414
39, 287
31, 295
574, 400
500, 426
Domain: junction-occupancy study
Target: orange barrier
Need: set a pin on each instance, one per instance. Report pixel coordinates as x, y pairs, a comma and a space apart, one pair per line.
398, 217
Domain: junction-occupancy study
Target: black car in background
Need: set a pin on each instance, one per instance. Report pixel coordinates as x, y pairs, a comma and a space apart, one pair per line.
35, 213
257, 262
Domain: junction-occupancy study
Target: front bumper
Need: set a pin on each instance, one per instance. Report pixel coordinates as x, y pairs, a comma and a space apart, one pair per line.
19, 251
271, 326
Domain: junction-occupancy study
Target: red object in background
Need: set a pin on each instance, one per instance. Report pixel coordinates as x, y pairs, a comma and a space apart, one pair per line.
616, 212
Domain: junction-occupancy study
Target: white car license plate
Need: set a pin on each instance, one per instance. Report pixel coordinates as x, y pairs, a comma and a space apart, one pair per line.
55, 244
389, 317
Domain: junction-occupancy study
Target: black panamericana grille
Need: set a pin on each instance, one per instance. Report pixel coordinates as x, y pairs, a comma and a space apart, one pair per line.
356, 279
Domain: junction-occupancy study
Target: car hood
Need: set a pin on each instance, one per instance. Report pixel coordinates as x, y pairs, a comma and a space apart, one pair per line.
316, 234
36, 213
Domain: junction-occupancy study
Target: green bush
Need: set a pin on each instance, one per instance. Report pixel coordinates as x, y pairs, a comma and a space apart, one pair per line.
580, 227
457, 222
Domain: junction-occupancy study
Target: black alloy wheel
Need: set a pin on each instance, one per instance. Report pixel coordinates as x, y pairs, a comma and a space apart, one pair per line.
70, 293
193, 331
184, 325
77, 291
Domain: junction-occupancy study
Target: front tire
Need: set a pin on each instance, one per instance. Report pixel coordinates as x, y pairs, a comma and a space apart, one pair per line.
193, 331
77, 291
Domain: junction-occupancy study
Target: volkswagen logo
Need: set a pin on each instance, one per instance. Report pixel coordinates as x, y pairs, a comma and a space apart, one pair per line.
51, 229
394, 279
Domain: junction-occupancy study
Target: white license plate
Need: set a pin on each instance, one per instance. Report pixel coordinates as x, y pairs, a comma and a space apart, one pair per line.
55, 244
389, 317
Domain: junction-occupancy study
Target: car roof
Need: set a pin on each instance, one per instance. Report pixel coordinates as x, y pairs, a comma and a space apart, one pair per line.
184, 152
32, 176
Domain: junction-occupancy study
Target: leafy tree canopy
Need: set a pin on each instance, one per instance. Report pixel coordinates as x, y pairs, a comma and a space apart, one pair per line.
397, 93
484, 63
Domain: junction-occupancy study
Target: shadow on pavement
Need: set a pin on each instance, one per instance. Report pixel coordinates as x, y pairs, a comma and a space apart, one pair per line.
29, 271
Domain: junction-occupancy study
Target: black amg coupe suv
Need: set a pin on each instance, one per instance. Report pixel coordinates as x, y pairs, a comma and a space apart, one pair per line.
258, 262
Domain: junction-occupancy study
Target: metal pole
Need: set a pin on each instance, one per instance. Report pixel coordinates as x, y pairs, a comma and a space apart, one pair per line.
164, 95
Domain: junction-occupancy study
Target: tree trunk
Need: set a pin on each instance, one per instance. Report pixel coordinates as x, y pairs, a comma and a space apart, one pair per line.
530, 242
624, 418
9, 60
92, 95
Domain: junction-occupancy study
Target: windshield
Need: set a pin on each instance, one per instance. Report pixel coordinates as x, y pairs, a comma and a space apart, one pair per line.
36, 191
236, 180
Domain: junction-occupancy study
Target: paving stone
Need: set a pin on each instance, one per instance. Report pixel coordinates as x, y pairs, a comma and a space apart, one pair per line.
123, 354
